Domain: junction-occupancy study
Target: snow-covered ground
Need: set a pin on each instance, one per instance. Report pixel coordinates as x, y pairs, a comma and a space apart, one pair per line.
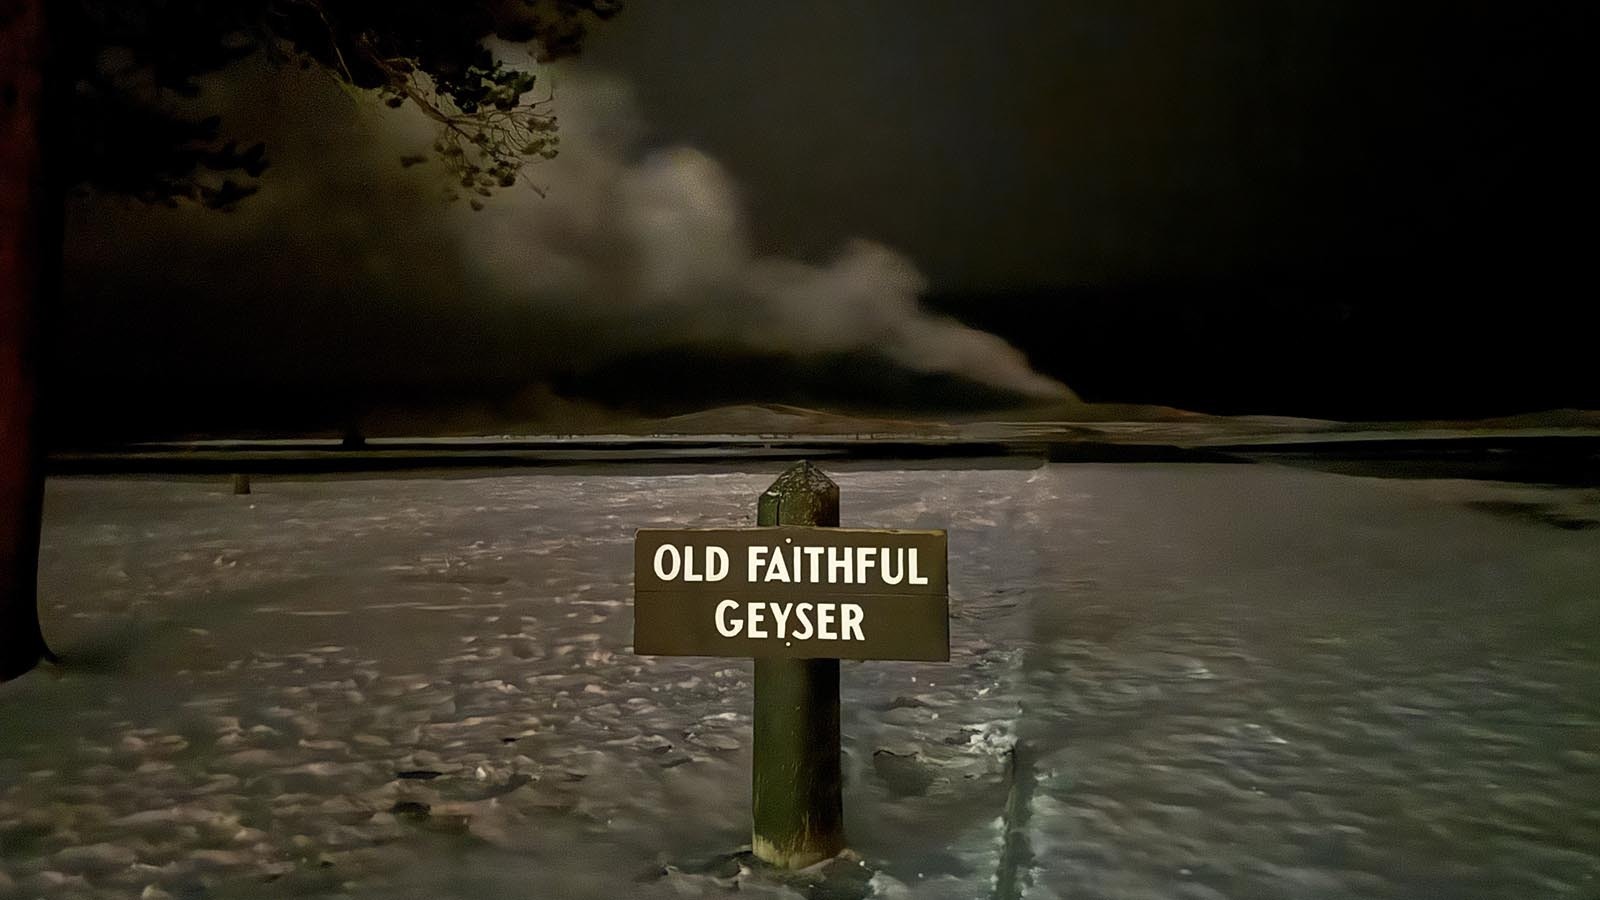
1214, 681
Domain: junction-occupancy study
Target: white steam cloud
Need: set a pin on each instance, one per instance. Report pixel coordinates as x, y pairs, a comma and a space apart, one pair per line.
629, 249
655, 243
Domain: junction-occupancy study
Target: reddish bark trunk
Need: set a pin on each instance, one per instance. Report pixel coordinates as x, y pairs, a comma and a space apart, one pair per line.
30, 252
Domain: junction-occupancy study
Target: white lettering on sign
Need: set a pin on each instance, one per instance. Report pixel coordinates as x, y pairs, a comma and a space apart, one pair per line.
791, 621
839, 564
662, 552
800, 565
718, 558
724, 627
683, 562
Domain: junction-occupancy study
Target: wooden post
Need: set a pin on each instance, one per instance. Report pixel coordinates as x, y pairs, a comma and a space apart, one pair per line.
797, 806
241, 484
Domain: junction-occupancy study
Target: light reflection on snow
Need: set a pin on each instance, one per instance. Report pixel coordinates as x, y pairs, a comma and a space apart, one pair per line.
1229, 681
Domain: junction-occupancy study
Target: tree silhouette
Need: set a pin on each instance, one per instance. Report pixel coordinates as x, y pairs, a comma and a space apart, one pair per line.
85, 91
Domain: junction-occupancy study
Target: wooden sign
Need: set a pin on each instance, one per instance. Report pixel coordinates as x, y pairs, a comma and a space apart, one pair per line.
791, 591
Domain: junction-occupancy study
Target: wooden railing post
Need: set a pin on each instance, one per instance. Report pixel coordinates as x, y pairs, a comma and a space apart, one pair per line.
796, 785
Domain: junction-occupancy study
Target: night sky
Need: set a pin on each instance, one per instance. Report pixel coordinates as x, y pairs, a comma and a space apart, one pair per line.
1352, 210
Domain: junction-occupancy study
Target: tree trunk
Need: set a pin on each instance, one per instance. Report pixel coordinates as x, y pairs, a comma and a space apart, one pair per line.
30, 260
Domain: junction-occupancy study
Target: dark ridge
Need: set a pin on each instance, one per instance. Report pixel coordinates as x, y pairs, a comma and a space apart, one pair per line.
1409, 346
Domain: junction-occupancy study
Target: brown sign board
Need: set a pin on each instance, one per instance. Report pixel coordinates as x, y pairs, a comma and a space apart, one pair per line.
791, 591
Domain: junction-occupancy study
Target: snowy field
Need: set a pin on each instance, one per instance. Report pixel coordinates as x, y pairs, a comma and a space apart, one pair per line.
1166, 682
